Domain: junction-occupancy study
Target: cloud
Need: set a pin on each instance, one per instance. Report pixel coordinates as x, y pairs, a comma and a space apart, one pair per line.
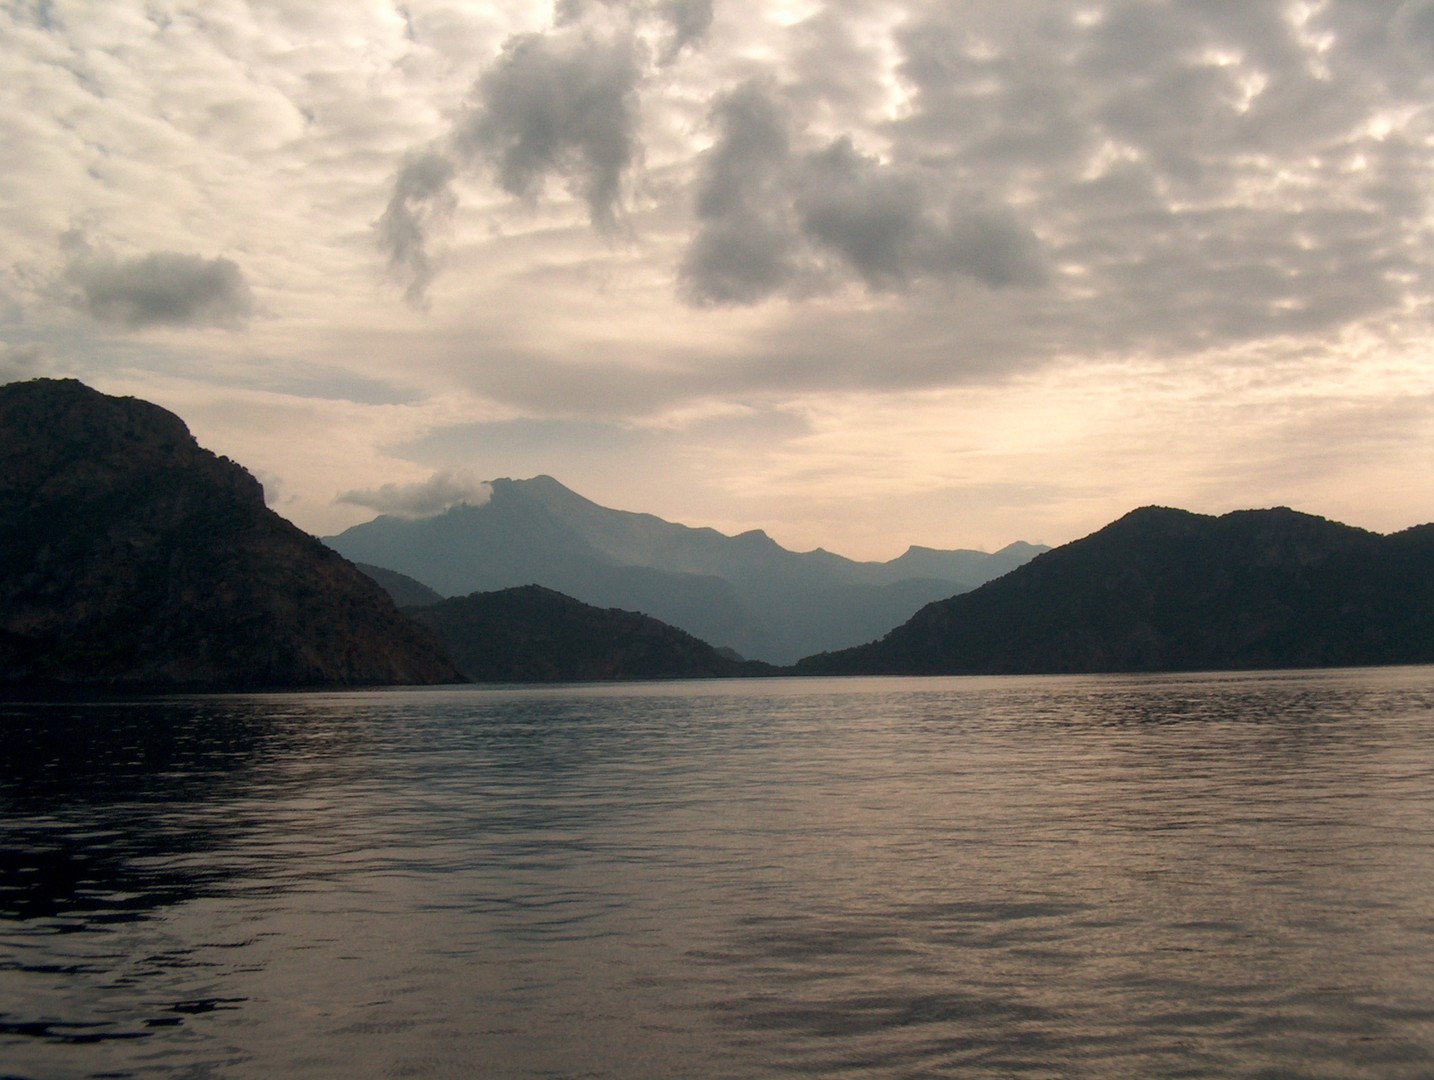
686, 22
21, 361
423, 499
772, 220
745, 246
162, 288
422, 199
878, 220
1200, 176
689, 21
1411, 32
559, 105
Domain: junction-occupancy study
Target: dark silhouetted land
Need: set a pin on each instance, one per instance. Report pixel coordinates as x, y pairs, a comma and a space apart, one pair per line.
533, 634
132, 557
1166, 590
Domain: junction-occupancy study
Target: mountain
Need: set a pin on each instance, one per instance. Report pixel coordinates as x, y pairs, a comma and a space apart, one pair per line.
532, 634
1164, 590
132, 557
746, 591
402, 589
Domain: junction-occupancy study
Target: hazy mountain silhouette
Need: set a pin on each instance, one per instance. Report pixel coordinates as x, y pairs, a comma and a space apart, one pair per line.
533, 634
1165, 589
404, 591
745, 591
129, 556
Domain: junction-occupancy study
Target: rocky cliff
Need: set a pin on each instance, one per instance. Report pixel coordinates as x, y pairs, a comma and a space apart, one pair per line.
130, 556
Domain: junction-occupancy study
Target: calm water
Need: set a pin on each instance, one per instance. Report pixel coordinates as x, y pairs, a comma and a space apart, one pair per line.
1227, 875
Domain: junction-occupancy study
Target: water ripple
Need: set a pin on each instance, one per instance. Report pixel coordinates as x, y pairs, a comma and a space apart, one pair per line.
1223, 876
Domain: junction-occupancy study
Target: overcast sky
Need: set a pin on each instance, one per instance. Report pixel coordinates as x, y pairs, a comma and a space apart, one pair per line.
864, 274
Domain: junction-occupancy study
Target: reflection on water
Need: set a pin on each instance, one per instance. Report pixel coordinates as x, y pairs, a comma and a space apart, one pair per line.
1223, 875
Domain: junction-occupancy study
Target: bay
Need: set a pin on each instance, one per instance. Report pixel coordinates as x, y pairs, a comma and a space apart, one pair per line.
1157, 876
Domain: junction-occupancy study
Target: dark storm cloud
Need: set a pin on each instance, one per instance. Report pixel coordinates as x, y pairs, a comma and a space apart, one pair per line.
162, 288
422, 199
559, 106
771, 219
422, 499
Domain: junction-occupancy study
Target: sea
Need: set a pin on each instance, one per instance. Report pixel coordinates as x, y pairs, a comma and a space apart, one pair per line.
1191, 875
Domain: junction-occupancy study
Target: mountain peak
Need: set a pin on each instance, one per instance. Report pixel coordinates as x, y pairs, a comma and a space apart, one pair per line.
744, 591
545, 491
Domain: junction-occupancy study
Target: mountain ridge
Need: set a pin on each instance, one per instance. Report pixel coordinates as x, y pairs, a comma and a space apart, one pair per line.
746, 591
1163, 589
533, 634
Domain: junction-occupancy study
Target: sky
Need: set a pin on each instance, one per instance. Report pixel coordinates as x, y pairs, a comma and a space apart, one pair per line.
862, 274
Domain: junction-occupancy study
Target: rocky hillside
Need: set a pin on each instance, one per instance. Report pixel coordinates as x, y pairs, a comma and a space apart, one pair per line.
533, 634
130, 556
1163, 590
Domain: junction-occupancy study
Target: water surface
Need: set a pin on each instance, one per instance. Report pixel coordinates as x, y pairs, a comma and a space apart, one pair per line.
1172, 876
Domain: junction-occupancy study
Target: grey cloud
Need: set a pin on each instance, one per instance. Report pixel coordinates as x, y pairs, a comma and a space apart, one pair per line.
1411, 33
870, 216
1175, 176
422, 199
1199, 174
423, 499
772, 220
689, 21
1000, 332
836, 66
1412, 27
162, 288
877, 218
744, 248
559, 105
407, 16
686, 21
567, 12
987, 243
21, 361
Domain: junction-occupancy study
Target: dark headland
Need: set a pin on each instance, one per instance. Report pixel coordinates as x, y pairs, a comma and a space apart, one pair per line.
130, 557
1168, 590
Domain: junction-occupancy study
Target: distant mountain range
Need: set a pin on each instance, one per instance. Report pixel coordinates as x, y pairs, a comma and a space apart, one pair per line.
532, 634
745, 592
1166, 590
131, 557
